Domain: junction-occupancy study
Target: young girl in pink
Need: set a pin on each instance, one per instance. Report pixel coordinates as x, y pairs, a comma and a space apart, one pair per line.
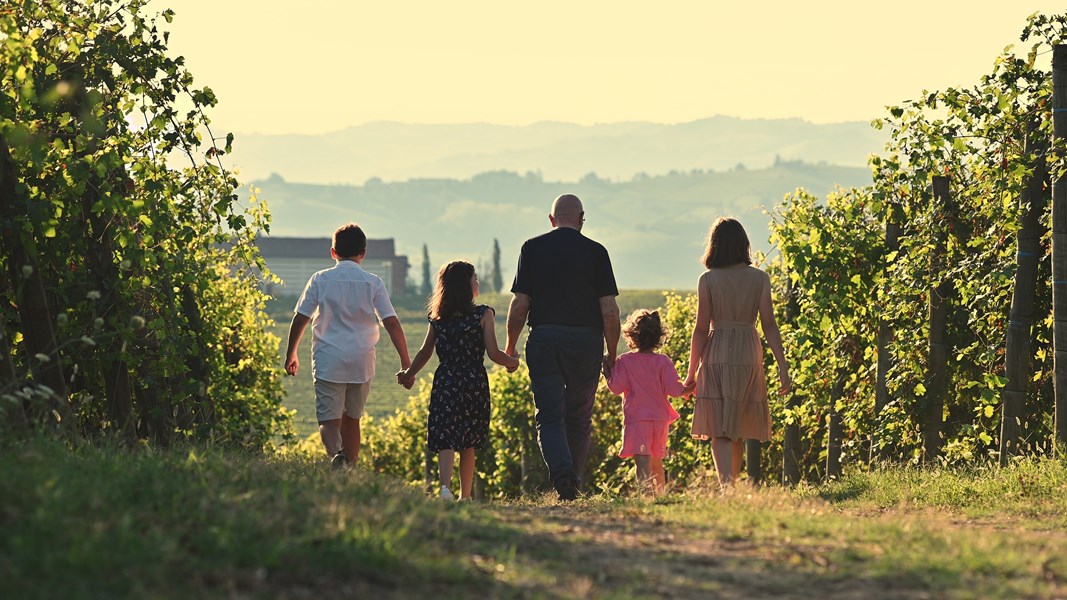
644, 379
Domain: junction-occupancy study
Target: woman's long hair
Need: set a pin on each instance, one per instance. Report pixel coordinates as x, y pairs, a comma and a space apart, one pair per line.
453, 294
728, 245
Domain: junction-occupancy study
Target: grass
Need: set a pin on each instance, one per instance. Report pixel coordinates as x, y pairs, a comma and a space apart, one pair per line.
1032, 490
386, 396
98, 521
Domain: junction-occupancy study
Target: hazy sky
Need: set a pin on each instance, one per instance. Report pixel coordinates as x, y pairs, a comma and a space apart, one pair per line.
321, 65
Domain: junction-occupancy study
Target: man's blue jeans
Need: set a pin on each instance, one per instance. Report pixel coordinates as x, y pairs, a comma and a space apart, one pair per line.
564, 373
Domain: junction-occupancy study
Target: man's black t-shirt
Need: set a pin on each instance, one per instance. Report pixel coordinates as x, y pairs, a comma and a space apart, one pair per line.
565, 274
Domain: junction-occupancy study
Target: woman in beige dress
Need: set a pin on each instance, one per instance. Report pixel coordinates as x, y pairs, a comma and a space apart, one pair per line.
726, 358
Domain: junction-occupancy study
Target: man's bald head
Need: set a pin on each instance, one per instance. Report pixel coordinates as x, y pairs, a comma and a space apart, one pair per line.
567, 211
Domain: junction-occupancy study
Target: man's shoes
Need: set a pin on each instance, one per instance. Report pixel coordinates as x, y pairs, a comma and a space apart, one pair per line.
446, 494
567, 488
339, 461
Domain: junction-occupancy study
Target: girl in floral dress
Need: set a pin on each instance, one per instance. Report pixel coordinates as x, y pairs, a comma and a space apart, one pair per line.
461, 333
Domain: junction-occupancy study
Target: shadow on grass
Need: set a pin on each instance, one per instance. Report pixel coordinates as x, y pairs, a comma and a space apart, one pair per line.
567, 552
842, 490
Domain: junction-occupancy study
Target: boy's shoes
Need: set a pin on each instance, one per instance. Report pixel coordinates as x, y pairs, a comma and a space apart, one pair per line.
567, 488
446, 494
339, 461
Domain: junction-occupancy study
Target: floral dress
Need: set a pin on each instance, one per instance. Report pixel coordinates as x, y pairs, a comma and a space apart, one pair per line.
459, 400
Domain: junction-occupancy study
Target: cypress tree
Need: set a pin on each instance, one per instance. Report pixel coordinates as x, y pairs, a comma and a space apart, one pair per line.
498, 277
427, 284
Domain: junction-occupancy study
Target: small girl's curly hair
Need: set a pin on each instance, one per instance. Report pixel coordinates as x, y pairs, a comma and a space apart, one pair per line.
643, 330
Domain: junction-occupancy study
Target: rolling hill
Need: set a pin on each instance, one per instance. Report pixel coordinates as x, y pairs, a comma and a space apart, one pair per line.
653, 226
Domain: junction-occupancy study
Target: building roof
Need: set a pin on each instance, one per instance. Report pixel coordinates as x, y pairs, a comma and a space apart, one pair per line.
295, 247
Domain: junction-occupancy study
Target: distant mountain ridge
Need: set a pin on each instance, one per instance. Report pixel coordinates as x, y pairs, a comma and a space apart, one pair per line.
392, 151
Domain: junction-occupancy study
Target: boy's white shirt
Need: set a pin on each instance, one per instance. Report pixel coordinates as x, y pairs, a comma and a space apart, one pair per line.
346, 305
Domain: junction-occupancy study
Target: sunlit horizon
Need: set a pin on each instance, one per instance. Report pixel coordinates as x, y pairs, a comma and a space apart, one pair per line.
329, 66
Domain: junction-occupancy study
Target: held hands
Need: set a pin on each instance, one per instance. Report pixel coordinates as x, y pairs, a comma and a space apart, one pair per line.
512, 366
784, 381
690, 385
607, 364
406, 379
292, 364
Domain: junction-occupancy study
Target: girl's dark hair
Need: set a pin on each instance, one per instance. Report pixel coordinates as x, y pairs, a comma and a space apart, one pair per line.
453, 294
643, 330
727, 245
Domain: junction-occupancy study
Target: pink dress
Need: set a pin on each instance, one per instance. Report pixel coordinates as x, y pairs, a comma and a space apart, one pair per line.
731, 392
644, 380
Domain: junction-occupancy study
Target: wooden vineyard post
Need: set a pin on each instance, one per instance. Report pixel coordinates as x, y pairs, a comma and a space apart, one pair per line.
885, 331
35, 317
1017, 351
100, 259
195, 362
1059, 247
13, 412
753, 466
937, 377
835, 430
791, 441
157, 413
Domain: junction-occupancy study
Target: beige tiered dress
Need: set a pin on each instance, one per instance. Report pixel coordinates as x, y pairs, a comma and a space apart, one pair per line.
731, 388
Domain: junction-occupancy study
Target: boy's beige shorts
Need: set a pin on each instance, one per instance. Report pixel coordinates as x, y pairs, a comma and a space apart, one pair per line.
333, 399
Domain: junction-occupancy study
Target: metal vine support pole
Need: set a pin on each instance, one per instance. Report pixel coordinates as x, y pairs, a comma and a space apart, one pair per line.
937, 378
885, 332
1017, 350
1059, 246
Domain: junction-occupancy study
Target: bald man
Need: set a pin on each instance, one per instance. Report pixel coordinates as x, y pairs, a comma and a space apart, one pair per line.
565, 288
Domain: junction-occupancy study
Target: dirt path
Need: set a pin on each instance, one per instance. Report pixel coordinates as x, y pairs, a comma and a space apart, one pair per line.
609, 554
593, 550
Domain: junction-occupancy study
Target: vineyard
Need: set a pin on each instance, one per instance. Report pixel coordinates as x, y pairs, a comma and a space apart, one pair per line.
146, 449
131, 305
919, 310
918, 313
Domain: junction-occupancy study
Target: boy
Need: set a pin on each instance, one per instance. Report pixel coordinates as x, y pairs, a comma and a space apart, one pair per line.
346, 303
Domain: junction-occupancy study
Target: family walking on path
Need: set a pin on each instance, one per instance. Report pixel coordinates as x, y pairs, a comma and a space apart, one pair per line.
565, 292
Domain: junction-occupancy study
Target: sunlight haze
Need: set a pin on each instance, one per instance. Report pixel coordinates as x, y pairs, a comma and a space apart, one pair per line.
319, 66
